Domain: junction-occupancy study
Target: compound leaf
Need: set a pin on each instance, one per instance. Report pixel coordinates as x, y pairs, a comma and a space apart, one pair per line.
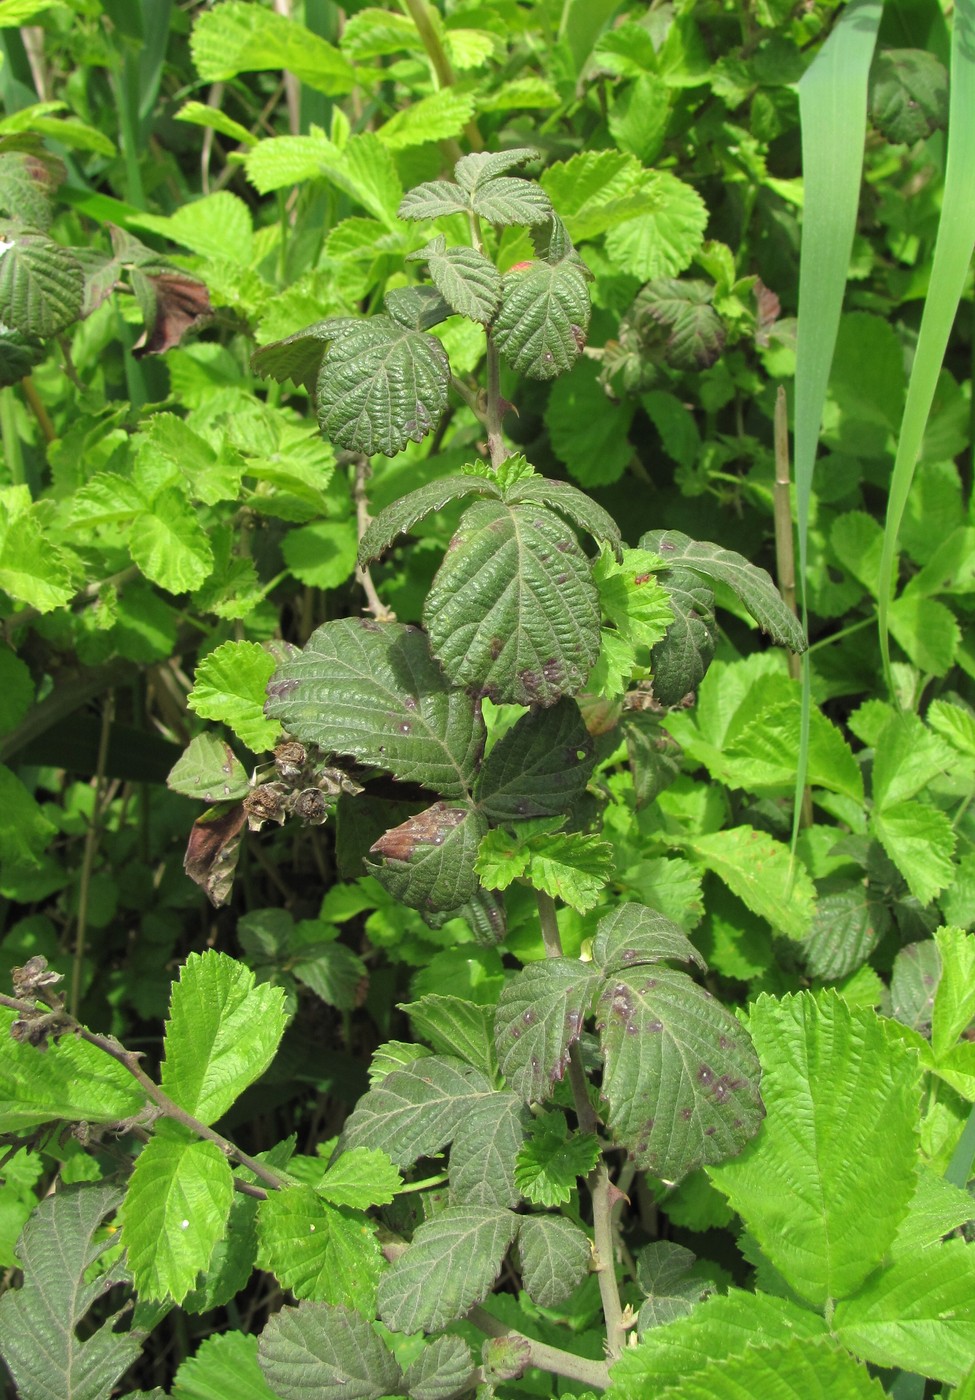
662, 1271
381, 384
322, 1252
318, 1352
544, 316
539, 768
42, 284
920, 840
751, 585
371, 690
829, 1180
513, 611
427, 862
539, 1017
464, 277
403, 514
474, 171
223, 1033
555, 1257
451, 1264
414, 1112
954, 1000
297, 357
39, 1320
680, 1076
175, 1211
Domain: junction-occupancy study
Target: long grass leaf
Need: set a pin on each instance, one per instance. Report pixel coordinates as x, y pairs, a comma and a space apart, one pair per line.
952, 255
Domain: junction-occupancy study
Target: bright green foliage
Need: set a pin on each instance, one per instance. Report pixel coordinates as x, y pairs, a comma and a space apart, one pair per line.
455, 1027
223, 1365
836, 1156
784, 1371
550, 1162
360, 1178
327, 1253
39, 1319
236, 38
209, 769
229, 686
757, 868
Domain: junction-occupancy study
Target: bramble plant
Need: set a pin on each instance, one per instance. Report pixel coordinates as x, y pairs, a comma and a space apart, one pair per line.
599, 1018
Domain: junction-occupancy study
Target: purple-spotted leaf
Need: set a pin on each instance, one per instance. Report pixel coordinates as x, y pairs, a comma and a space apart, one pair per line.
568, 500
427, 863
539, 768
416, 1111
450, 1265
544, 316
513, 612
634, 934
539, 1017
680, 1075
209, 770
371, 691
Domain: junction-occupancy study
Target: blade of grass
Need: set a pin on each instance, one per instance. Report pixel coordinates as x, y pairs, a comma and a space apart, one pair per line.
952, 256
833, 118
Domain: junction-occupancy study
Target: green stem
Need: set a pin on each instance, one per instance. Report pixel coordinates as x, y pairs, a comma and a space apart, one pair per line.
960, 1167
37, 407
419, 13
12, 448
88, 859
552, 1359
495, 409
598, 1182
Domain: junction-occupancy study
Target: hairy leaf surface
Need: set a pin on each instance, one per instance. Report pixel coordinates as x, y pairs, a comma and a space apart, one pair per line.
415, 1112
634, 934
539, 1017
544, 316
455, 1026
229, 686
403, 514
318, 1352
372, 691
240, 38
581, 509
427, 862
512, 610
41, 283
555, 1256
682, 657
464, 277
484, 1152
444, 1369
539, 768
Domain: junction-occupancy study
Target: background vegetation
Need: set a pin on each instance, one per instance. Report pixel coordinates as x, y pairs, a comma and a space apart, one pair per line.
182, 186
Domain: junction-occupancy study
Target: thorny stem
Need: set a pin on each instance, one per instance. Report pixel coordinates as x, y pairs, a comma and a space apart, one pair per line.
374, 603
598, 1182
553, 1359
91, 845
62, 1022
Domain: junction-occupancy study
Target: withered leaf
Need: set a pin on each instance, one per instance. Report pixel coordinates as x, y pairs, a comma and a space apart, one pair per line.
213, 850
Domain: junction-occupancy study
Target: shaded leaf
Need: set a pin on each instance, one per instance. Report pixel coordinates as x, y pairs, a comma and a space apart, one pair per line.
484, 1151
213, 850
555, 1257
681, 659
404, 513
171, 304
662, 1274
318, 1352
464, 277
829, 1180
750, 584
417, 308
451, 1264
539, 1016
913, 984
427, 862
908, 95
680, 1075
675, 322
539, 768
372, 691
551, 1161
512, 610
298, 357
415, 1112
544, 316
444, 1369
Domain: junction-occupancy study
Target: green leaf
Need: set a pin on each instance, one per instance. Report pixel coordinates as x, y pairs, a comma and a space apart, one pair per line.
680, 1075
792, 1370
632, 598
175, 1211
381, 385
73, 1082
555, 1257
235, 37
937, 1209
444, 1369
551, 1161
451, 1264
26, 830
371, 691
589, 432
953, 723
722, 1327
920, 840
663, 238
39, 1321
760, 871
633, 935
918, 1314
454, 1026
32, 567
222, 1034
464, 277
674, 322
539, 768
571, 866
483, 190
954, 1001
41, 284
441, 116
539, 1017
907, 756
568, 500
416, 308
216, 226
360, 1178
682, 658
512, 610
484, 1151
825, 1186
474, 172
662, 1270
317, 1352
326, 1253
223, 1364
208, 770
332, 971
927, 630
501, 859
427, 862
298, 357
404, 513
170, 545
750, 584
229, 686
908, 95
415, 1112
199, 114
544, 316
321, 554
594, 190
